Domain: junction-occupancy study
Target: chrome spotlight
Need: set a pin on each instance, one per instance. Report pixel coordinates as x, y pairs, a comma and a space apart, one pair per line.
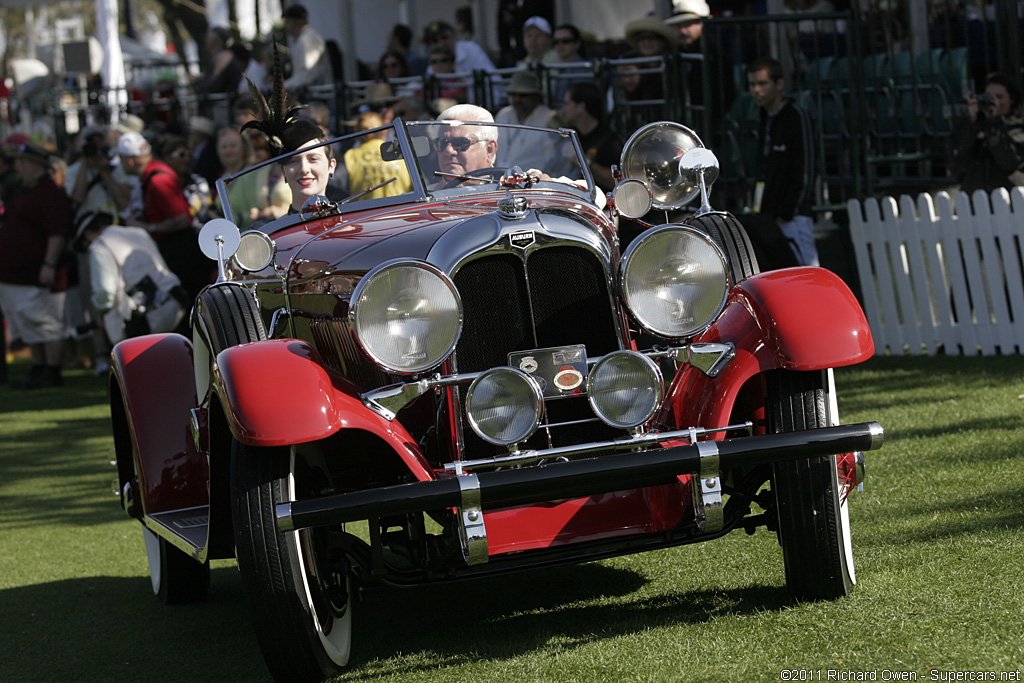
504, 406
653, 153
625, 389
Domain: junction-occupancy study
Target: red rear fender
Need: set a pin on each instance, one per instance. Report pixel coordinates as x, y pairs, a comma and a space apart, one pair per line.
277, 393
157, 385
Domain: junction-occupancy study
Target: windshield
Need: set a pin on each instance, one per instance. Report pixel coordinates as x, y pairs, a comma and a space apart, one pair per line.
461, 157
404, 163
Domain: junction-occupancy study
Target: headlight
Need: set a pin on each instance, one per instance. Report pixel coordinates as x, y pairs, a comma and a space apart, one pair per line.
407, 316
625, 389
504, 406
255, 251
674, 280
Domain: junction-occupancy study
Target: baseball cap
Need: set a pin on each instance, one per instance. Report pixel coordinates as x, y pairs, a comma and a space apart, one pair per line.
537, 22
132, 145
688, 10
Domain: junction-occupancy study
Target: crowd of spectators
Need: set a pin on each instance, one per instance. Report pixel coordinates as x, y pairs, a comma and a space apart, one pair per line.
96, 238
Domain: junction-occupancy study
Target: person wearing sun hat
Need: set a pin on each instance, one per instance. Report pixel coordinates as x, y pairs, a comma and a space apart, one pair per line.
524, 92
33, 276
688, 22
651, 36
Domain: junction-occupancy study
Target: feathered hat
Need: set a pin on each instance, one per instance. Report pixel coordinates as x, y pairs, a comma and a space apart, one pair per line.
284, 130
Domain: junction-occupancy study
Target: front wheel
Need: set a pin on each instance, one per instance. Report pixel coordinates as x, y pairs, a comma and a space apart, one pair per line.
813, 516
297, 581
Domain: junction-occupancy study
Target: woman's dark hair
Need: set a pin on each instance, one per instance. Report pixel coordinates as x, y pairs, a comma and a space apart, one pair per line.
404, 71
1012, 89
575, 33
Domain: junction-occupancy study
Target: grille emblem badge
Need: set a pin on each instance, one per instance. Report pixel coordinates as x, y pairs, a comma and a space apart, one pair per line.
522, 240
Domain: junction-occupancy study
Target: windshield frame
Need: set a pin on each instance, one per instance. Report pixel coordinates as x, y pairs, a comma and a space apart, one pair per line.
403, 134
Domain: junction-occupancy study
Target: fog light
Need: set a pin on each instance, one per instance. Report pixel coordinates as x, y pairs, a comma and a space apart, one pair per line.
625, 389
504, 406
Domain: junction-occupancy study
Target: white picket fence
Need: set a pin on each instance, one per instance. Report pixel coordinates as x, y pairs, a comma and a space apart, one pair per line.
937, 274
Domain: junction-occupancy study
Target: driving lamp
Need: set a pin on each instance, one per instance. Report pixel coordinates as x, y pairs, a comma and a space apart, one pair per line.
504, 406
624, 389
255, 251
406, 315
674, 280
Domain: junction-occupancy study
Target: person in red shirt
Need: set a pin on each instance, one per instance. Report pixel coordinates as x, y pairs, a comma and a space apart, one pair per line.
33, 275
166, 212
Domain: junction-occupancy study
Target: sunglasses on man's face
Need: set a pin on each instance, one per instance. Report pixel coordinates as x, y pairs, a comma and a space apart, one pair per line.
564, 41
440, 60
458, 144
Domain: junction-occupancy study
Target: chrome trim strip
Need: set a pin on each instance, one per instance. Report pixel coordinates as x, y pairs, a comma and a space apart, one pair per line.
709, 358
626, 444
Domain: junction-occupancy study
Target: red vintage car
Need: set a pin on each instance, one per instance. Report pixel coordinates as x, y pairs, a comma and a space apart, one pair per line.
443, 376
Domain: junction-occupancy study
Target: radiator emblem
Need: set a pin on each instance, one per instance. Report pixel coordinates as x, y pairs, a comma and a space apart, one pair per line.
528, 365
568, 378
521, 240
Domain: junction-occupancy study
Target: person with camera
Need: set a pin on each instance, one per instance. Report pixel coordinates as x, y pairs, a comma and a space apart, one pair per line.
990, 153
95, 182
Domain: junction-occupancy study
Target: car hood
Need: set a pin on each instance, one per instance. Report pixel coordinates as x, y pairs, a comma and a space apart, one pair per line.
437, 232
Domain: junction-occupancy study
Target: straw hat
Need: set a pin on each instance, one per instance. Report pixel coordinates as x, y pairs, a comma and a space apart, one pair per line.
651, 24
524, 83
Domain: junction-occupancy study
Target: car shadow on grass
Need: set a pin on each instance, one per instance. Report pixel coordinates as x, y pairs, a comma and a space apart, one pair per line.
399, 632
109, 628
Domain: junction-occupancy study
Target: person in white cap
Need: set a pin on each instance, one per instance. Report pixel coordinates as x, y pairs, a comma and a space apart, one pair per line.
538, 42
166, 213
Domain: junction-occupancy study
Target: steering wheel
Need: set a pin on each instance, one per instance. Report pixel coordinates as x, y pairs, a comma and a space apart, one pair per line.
493, 171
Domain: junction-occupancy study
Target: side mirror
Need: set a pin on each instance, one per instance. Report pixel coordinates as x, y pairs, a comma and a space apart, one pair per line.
218, 240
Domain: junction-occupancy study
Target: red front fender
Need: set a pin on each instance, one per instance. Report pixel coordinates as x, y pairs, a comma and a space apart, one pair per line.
795, 319
807, 317
277, 393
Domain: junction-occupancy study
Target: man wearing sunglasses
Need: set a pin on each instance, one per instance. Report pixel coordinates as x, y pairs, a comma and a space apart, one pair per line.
464, 149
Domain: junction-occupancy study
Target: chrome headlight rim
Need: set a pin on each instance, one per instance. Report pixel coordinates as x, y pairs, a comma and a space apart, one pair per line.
355, 306
534, 392
643, 239
657, 383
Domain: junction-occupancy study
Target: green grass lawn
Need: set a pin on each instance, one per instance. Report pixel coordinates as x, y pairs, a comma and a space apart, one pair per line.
938, 540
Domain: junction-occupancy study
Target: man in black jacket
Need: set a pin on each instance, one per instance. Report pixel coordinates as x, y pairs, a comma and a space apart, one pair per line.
786, 173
